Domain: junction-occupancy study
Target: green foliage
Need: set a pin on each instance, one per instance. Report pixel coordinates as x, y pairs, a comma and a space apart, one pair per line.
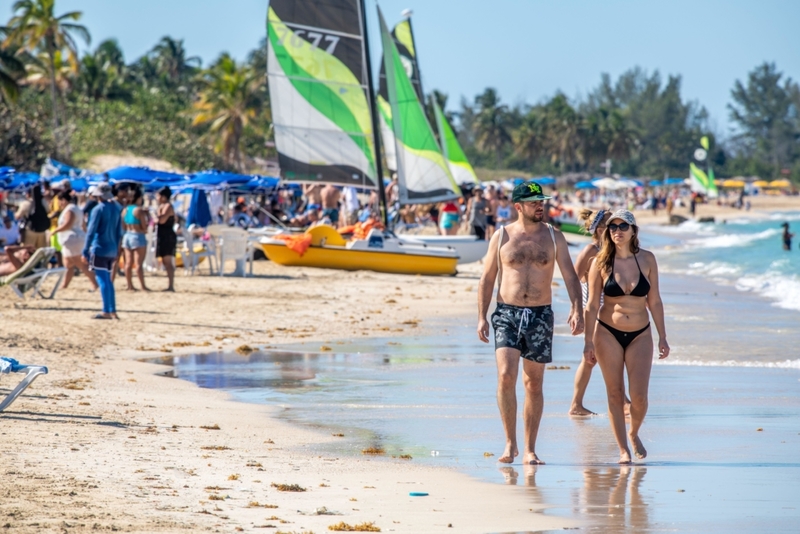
767, 112
151, 125
25, 140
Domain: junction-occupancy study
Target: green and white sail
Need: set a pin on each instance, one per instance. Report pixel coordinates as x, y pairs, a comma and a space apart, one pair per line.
319, 96
702, 182
404, 41
460, 168
423, 174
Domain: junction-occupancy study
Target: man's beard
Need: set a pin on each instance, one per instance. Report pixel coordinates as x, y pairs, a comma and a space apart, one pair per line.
535, 218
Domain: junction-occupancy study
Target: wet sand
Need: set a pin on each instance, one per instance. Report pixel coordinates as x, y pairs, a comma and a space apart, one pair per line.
103, 442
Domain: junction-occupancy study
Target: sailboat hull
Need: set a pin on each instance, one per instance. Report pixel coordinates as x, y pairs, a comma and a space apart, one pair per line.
357, 260
468, 247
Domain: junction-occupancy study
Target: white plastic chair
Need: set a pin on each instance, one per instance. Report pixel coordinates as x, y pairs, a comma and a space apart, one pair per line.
191, 258
233, 245
9, 365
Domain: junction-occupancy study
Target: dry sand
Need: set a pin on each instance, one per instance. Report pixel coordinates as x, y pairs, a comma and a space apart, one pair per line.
103, 443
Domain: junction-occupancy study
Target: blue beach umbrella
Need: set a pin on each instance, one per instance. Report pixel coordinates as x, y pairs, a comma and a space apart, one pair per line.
214, 179
674, 181
654, 183
141, 175
545, 180
199, 212
258, 184
585, 185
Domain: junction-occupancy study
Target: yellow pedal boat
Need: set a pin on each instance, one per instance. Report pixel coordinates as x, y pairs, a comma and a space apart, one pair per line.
379, 252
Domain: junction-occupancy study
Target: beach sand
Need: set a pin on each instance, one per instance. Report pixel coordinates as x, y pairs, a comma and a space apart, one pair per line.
103, 442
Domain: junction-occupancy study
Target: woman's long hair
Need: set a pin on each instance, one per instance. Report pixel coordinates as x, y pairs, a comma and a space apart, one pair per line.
38, 221
608, 251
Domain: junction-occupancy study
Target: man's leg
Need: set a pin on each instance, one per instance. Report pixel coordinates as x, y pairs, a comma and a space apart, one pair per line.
533, 376
507, 372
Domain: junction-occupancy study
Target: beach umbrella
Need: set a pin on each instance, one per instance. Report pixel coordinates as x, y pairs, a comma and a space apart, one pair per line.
259, 184
733, 183
585, 185
20, 181
780, 183
214, 179
545, 180
199, 212
760, 183
610, 183
674, 181
141, 175
655, 183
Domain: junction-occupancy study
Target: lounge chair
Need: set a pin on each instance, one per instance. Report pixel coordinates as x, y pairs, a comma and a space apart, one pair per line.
194, 251
10, 365
33, 274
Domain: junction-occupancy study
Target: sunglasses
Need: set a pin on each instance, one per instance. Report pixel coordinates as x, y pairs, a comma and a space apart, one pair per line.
621, 226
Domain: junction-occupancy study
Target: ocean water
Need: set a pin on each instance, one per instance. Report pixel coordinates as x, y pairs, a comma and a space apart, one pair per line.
744, 253
723, 428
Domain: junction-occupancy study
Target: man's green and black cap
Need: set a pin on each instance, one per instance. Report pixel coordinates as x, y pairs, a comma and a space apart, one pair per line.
528, 191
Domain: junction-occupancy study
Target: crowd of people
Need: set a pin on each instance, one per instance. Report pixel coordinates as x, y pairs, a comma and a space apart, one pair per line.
93, 233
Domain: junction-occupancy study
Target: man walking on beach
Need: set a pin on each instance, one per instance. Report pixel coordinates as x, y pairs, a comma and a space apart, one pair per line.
522, 257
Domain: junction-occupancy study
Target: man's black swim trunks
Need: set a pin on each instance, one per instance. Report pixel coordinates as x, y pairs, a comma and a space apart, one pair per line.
529, 330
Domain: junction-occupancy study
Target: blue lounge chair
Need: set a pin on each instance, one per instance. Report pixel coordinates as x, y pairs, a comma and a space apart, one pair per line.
10, 365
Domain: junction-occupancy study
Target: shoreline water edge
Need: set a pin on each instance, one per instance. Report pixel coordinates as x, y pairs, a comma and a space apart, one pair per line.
105, 442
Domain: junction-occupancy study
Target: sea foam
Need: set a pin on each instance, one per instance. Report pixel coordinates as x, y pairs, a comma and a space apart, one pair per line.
786, 364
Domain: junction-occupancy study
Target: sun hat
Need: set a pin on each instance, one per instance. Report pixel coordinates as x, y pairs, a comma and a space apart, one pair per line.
102, 191
596, 220
528, 191
625, 215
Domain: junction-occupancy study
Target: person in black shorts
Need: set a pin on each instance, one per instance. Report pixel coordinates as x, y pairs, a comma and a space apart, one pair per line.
521, 258
166, 239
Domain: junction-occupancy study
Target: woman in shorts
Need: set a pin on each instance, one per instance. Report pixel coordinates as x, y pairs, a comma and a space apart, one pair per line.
72, 238
134, 242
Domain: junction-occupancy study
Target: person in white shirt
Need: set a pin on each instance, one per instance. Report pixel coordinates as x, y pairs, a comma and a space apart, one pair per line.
9, 232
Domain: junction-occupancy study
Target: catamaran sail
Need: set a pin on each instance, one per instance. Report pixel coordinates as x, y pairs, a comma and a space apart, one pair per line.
460, 167
404, 41
702, 181
423, 174
319, 92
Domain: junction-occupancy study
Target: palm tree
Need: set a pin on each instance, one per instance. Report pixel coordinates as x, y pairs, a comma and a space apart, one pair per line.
171, 62
491, 124
41, 72
103, 73
228, 103
563, 131
531, 137
622, 139
35, 26
11, 70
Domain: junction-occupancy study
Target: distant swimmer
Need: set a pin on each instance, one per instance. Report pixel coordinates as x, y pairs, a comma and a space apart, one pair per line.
595, 225
787, 237
521, 258
618, 334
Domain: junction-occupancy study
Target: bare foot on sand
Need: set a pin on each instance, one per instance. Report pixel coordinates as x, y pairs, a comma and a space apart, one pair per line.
638, 447
532, 459
579, 410
509, 454
625, 458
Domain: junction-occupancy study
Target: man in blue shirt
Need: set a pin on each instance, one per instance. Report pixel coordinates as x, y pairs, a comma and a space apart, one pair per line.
103, 239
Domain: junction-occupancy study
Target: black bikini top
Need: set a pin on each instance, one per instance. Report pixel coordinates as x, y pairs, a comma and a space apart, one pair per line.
613, 289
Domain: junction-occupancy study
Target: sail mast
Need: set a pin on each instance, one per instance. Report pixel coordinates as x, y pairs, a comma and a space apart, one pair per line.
375, 126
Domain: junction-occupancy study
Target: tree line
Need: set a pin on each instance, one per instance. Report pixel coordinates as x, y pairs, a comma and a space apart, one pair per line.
166, 105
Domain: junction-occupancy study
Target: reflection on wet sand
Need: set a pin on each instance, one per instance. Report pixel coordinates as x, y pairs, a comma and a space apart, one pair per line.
610, 500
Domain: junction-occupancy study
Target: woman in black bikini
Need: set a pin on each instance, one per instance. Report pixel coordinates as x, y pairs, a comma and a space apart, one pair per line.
166, 239
628, 279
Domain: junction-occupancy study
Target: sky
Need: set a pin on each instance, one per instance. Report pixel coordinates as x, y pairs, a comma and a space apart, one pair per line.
526, 49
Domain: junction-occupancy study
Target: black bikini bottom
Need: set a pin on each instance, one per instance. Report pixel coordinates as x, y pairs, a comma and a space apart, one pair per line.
623, 338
